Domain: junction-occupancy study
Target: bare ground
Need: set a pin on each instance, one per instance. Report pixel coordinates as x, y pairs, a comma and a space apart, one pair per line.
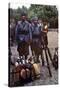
44, 77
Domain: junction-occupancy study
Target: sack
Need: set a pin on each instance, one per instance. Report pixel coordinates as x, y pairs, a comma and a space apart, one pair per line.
21, 72
37, 69
55, 61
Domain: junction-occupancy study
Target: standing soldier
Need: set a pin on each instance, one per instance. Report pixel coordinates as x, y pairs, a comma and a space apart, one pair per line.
36, 39
12, 31
23, 36
44, 34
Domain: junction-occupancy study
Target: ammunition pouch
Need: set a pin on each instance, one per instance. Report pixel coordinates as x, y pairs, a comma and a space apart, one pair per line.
36, 36
23, 32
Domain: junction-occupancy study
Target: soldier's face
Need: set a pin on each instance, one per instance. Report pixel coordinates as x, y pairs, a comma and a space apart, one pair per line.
23, 18
35, 21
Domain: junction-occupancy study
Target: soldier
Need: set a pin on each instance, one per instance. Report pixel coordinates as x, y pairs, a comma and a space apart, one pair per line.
12, 31
36, 39
23, 35
44, 34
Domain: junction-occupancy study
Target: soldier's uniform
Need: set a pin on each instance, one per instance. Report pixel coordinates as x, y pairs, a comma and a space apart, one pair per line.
44, 35
12, 31
23, 36
36, 39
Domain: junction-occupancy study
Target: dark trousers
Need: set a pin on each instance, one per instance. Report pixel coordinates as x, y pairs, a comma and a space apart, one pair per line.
44, 39
36, 47
23, 49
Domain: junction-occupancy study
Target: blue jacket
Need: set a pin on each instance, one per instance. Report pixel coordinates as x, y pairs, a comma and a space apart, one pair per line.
23, 32
36, 32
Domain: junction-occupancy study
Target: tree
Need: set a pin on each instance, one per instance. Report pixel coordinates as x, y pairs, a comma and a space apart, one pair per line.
44, 12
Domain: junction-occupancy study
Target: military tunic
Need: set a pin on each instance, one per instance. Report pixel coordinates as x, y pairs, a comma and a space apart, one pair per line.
36, 38
23, 36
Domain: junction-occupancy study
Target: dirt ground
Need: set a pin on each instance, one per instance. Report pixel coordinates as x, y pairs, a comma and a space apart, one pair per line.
44, 77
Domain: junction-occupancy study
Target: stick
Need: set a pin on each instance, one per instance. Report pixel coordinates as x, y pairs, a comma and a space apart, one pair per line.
48, 64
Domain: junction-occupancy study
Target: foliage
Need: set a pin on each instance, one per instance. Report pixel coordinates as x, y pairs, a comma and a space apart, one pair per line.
44, 12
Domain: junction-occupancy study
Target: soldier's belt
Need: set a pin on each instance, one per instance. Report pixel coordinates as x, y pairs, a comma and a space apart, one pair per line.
36, 36
23, 32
